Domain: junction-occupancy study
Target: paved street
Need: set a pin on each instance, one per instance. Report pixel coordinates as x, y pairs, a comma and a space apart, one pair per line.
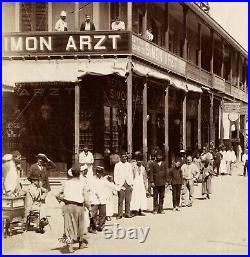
215, 226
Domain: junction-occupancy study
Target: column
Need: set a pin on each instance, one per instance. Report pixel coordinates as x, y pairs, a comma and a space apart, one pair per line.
166, 25
238, 69
144, 120
96, 14
199, 122
166, 125
145, 19
77, 25
129, 109
129, 16
212, 51
231, 67
222, 58
184, 51
245, 129
184, 122
77, 118
50, 23
17, 16
199, 44
211, 118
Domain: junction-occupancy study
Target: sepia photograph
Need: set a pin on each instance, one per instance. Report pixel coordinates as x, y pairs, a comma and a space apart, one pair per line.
124, 128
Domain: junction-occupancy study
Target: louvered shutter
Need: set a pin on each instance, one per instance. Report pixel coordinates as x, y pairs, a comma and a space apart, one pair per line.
26, 16
41, 16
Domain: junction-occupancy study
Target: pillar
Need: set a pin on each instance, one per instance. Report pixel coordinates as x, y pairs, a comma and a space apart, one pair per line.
77, 24
199, 122
245, 129
129, 16
184, 122
17, 16
184, 50
199, 44
231, 66
77, 118
96, 14
238, 69
50, 23
211, 118
166, 25
145, 19
212, 51
144, 120
222, 58
129, 108
166, 125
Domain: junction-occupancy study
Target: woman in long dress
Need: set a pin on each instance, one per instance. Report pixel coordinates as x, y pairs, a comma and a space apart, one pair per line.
207, 172
223, 163
139, 198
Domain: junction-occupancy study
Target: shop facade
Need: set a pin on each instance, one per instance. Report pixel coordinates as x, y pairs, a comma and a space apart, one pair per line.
112, 91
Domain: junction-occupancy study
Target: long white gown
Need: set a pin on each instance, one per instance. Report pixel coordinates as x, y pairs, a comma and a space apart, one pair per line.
223, 163
139, 198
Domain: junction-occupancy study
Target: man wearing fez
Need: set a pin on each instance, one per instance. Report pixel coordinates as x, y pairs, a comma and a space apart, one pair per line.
40, 169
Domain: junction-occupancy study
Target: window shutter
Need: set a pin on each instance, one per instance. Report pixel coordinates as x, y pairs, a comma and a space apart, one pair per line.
41, 16
26, 16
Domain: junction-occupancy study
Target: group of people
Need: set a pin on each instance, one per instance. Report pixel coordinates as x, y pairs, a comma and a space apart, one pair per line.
87, 25
88, 193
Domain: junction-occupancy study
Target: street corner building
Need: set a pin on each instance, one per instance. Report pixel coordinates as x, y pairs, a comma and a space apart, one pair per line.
119, 90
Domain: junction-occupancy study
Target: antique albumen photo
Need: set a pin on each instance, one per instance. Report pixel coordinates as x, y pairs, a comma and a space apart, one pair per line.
124, 128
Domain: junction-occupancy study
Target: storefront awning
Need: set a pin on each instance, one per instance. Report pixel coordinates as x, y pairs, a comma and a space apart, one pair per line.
194, 88
38, 71
57, 70
179, 84
103, 67
143, 70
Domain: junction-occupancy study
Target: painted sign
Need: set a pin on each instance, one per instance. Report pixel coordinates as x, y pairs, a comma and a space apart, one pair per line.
65, 43
157, 55
231, 107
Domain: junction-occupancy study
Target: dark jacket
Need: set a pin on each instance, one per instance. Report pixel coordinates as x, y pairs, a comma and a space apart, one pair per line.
158, 174
92, 26
42, 173
175, 176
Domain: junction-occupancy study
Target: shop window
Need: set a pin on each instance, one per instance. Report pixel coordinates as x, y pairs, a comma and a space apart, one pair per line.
34, 16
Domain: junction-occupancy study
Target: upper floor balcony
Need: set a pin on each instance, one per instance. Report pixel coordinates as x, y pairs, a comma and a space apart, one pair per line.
182, 42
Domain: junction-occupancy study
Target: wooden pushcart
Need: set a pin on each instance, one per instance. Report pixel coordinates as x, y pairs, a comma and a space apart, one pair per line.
13, 210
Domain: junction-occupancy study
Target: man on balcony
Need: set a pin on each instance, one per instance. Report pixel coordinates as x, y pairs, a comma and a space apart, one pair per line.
118, 24
149, 35
61, 24
87, 25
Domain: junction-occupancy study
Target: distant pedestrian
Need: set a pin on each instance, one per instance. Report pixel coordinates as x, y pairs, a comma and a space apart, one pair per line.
223, 163
176, 181
245, 162
217, 160
86, 158
207, 173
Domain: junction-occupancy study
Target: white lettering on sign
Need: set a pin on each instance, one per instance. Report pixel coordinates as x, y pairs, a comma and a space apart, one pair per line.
45, 43
31, 43
114, 40
99, 45
71, 45
85, 40
16, 44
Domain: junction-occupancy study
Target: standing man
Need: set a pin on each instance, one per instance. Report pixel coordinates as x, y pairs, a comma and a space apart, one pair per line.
87, 25
118, 24
245, 162
123, 177
183, 158
87, 158
61, 24
217, 160
190, 172
158, 180
176, 181
40, 169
